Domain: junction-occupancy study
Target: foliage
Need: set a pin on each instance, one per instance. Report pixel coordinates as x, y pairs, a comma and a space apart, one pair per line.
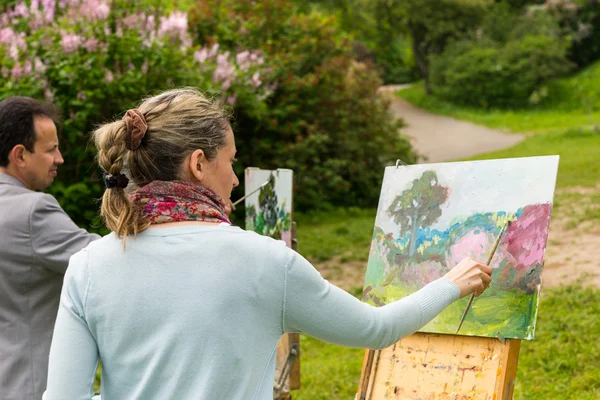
95, 59
325, 120
490, 76
433, 24
581, 22
374, 35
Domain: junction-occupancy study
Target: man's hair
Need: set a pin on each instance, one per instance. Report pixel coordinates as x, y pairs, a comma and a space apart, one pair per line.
16, 123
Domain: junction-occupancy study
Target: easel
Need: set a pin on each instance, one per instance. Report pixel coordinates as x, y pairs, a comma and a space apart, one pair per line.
431, 366
441, 367
287, 362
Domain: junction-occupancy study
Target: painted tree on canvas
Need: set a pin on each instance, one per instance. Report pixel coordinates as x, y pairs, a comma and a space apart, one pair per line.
270, 219
418, 206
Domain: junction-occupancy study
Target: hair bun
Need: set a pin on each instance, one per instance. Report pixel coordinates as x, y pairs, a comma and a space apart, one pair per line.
136, 128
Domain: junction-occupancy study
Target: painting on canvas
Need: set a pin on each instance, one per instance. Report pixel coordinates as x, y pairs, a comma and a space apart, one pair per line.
431, 216
269, 209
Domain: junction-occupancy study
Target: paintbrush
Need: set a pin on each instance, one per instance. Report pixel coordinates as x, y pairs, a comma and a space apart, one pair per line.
238, 201
489, 260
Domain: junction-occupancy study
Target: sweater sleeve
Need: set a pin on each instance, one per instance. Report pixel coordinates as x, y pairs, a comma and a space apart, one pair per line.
315, 307
73, 353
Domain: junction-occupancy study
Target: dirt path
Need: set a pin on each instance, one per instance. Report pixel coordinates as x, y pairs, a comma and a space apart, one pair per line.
439, 138
572, 253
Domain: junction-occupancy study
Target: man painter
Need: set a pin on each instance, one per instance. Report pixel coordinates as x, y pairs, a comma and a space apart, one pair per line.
37, 238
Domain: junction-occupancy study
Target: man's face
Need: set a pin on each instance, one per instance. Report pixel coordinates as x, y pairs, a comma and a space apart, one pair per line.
41, 165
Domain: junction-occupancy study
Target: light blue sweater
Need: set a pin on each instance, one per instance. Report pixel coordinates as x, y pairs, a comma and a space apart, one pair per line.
195, 312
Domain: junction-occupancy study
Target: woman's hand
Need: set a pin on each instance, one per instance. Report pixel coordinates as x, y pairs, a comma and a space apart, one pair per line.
470, 276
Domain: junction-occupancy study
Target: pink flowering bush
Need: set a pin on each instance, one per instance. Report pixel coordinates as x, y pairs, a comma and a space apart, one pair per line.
96, 58
324, 118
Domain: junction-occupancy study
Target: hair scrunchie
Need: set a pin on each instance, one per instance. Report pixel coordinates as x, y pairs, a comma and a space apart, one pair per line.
136, 128
115, 180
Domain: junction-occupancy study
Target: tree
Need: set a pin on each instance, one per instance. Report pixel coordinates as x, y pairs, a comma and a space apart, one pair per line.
418, 206
432, 24
267, 203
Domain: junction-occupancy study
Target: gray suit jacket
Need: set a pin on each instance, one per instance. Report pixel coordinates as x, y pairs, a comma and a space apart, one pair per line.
37, 239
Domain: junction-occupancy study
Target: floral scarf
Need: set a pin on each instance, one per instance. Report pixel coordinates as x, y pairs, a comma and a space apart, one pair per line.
172, 201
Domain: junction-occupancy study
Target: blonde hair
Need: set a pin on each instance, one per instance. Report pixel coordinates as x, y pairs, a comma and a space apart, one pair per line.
178, 122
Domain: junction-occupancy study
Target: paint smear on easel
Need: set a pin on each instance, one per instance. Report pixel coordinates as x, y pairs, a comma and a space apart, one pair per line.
432, 216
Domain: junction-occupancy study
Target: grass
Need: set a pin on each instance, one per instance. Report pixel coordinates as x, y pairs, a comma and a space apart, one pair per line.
578, 150
561, 363
520, 121
348, 233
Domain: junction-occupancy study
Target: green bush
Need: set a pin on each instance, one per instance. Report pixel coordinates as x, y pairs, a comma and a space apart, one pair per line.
508, 76
325, 120
580, 21
96, 59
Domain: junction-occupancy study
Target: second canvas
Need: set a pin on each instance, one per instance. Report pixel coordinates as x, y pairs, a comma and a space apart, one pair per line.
431, 216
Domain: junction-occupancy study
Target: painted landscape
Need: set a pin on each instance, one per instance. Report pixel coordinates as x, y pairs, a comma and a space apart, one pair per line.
432, 216
269, 211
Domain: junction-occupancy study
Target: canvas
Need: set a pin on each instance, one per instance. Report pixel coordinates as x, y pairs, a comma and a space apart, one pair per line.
431, 216
269, 209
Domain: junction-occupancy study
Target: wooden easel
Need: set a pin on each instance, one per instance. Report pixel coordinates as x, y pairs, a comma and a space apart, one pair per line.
431, 366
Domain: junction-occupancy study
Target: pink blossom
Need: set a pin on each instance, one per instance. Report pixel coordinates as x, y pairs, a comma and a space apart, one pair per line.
27, 68
242, 57
231, 99
226, 84
108, 77
243, 60
144, 67
21, 10
5, 72
81, 96
13, 52
175, 27
201, 55
39, 67
70, 42
91, 45
48, 94
224, 72
255, 80
7, 36
213, 50
49, 7
257, 58
94, 10
17, 72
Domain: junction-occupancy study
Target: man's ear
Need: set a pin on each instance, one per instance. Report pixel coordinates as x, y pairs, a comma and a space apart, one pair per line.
17, 155
198, 164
